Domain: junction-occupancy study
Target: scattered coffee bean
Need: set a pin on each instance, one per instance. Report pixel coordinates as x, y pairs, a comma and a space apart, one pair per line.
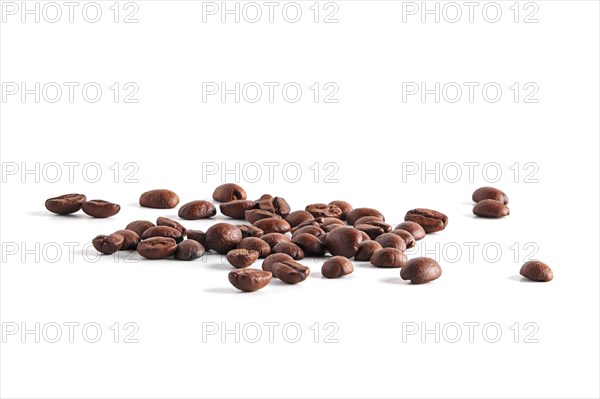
240, 258
366, 249
430, 220
326, 222
324, 210
337, 266
415, 229
139, 226
223, 237
130, 239
163, 231
65, 204
255, 244
314, 230
489, 208
370, 230
297, 217
273, 225
388, 257
311, 245
290, 272
236, 209
408, 238
157, 247
159, 199
197, 210
197, 235
289, 248
270, 260
254, 215
390, 240
421, 270
189, 250
163, 221
275, 238
249, 231
537, 271
108, 244
249, 280
276, 205
357, 213
229, 192
344, 206
492, 193
100, 208
343, 241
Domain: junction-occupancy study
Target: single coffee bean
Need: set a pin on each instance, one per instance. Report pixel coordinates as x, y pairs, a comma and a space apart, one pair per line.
255, 244
324, 210
431, 220
337, 266
370, 230
163, 231
308, 223
273, 225
130, 239
240, 258
374, 221
65, 204
357, 213
344, 206
250, 231
189, 250
328, 221
157, 247
365, 236
390, 240
249, 280
408, 238
197, 235
162, 221
254, 215
388, 257
537, 271
297, 217
311, 245
490, 209
314, 230
139, 226
366, 249
330, 227
421, 270
290, 272
270, 260
159, 199
276, 205
275, 238
108, 244
223, 237
197, 210
236, 209
289, 248
100, 208
229, 192
492, 193
415, 229
343, 241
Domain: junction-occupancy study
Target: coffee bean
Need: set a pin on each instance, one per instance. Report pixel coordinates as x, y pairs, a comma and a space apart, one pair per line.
270, 260
255, 244
197, 210
290, 272
157, 247
374, 221
421, 270
408, 238
275, 238
537, 271
489, 208
276, 205
229, 192
65, 204
415, 229
365, 236
330, 227
430, 220
163, 231
343, 241
337, 266
236, 209
388, 257
357, 213
223, 237
390, 240
159, 199
100, 208
130, 239
324, 210
189, 250
327, 222
254, 215
240, 258
289, 248
139, 226
492, 193
197, 235
366, 249
108, 244
249, 231
370, 230
297, 217
308, 223
162, 221
273, 225
311, 245
344, 206
314, 230
249, 280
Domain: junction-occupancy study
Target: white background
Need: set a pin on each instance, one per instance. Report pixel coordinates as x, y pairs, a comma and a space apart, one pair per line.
371, 135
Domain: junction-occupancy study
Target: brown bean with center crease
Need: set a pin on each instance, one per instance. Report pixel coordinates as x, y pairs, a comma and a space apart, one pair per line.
324, 210
357, 213
159, 199
163, 221
314, 230
130, 239
370, 230
65, 204
273, 225
195, 210
189, 250
489, 208
289, 248
162, 231
290, 272
255, 244
415, 229
344, 206
240, 258
366, 249
254, 215
229, 192
308, 223
535, 270
197, 235
139, 226
343, 241
108, 244
388, 257
310, 244
276, 205
408, 238
100, 208
337, 266
390, 240
249, 280
236, 209
421, 270
492, 193
432, 221
297, 217
157, 247
250, 231
270, 260
223, 237
275, 238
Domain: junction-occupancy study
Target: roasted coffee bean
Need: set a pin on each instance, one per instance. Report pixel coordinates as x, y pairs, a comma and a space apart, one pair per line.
374, 221
249, 231
159, 199
255, 244
330, 227
249, 280
197, 235
390, 240
270, 260
370, 230
344, 206
343, 241
275, 238
314, 230
415, 229
421, 270
490, 209
254, 215
130, 239
157, 247
197, 210
328, 221
273, 225
324, 210
163, 231
297, 217
139, 226
365, 236
108, 244
223, 237
240, 258
537, 271
100, 208
236, 209
308, 223
388, 257
337, 266
289, 248
229, 192
408, 238
163, 221
366, 249
492, 193
189, 250
276, 205
65, 204
357, 213
431, 220
290, 272
311, 245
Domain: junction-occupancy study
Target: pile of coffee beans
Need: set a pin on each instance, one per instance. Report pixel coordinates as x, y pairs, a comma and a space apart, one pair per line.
281, 236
